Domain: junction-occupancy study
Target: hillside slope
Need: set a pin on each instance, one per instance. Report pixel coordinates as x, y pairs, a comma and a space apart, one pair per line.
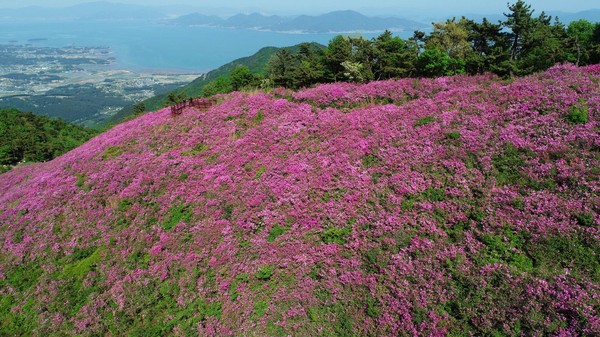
454, 206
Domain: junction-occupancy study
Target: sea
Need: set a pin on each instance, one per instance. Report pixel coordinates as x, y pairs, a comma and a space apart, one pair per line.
155, 47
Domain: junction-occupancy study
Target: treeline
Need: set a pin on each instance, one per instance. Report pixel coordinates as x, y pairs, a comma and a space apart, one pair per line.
25, 137
520, 45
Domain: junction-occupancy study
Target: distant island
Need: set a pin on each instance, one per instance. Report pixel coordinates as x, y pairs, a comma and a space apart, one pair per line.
333, 22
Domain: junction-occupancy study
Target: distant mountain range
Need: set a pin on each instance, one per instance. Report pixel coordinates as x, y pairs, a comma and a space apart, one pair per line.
334, 22
337, 22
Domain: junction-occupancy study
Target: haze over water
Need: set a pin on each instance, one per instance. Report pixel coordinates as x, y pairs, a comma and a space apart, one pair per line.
154, 47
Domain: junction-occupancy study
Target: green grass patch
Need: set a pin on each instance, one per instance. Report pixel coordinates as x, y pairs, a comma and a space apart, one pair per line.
260, 307
335, 235
265, 272
373, 260
370, 161
434, 194
424, 121
177, 214
112, 151
509, 163
81, 182
260, 172
454, 135
197, 149
259, 117
22, 277
78, 269
505, 248
333, 194
138, 259
228, 211
275, 232
555, 253
124, 205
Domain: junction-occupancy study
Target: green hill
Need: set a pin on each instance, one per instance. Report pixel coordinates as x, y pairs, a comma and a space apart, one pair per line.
25, 137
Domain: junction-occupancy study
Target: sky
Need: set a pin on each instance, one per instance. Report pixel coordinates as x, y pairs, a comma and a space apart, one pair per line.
393, 7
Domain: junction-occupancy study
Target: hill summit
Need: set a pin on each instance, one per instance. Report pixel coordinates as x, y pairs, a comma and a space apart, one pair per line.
452, 206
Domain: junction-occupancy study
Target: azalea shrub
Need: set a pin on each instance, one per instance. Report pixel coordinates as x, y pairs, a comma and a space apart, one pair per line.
456, 206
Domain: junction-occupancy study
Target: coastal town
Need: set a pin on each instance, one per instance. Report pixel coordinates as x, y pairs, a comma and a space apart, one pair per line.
37, 78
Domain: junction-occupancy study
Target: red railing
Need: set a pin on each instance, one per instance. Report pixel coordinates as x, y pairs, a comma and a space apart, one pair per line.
201, 104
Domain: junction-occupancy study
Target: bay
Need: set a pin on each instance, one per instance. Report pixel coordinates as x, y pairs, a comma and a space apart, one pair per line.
154, 47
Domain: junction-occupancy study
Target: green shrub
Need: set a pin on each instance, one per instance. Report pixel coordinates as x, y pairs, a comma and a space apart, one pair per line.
578, 115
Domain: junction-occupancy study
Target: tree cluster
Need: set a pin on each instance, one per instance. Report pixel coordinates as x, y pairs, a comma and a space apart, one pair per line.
25, 137
521, 44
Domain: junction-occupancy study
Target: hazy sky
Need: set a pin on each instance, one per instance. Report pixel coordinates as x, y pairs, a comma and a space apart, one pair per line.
313, 6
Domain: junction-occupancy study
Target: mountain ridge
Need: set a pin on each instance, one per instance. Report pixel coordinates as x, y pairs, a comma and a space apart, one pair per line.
332, 22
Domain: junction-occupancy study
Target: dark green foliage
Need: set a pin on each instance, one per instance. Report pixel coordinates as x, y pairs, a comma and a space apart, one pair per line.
139, 109
27, 137
260, 307
585, 219
435, 63
241, 77
220, 85
79, 268
138, 259
408, 202
124, 205
296, 68
174, 98
81, 182
22, 277
506, 248
373, 307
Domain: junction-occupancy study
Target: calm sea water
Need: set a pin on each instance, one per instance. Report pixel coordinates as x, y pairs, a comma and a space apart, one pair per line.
155, 47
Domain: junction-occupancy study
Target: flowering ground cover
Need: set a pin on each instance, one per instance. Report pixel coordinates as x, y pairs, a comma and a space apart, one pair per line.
455, 206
